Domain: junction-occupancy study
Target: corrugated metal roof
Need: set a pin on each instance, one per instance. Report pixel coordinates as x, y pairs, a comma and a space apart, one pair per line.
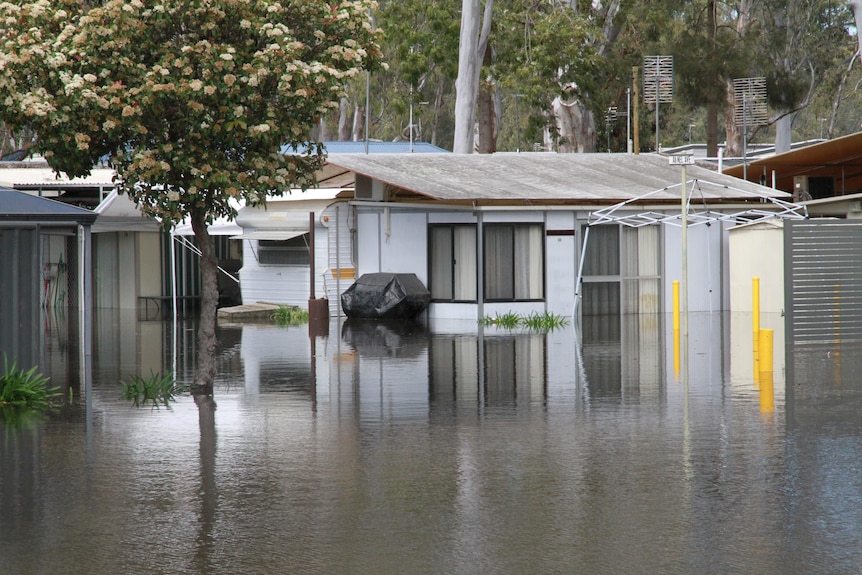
18, 206
536, 177
840, 158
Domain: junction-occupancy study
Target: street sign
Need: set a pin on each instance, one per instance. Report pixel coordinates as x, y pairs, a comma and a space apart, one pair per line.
681, 160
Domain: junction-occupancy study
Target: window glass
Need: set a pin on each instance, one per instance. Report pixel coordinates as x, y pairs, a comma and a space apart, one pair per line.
284, 252
514, 262
452, 262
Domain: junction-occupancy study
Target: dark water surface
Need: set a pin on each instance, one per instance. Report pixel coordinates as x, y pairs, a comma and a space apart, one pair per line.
441, 449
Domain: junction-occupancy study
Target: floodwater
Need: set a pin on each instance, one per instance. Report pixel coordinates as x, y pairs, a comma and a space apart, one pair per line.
447, 448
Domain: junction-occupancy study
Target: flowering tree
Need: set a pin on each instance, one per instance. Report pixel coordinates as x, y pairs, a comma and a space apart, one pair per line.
192, 100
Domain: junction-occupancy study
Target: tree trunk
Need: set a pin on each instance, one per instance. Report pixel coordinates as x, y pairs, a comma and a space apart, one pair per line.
358, 124
472, 45
206, 360
784, 133
733, 147
486, 112
344, 123
712, 96
856, 7
575, 128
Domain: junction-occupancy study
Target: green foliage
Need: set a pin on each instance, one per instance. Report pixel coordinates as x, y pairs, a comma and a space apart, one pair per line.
509, 320
288, 315
155, 390
25, 388
545, 321
193, 101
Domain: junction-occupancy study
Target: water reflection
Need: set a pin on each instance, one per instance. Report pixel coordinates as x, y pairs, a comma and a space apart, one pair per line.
406, 448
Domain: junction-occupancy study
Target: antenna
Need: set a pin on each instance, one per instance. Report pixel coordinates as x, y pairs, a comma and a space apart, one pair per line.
749, 109
658, 84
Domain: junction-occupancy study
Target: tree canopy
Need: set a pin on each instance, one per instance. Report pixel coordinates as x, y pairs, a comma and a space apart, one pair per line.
192, 100
549, 56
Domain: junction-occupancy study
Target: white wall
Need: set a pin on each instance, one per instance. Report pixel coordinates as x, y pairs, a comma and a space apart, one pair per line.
561, 263
757, 251
393, 241
285, 284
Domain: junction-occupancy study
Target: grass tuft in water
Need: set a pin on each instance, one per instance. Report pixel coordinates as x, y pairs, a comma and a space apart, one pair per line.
25, 388
289, 315
535, 321
156, 390
544, 321
508, 320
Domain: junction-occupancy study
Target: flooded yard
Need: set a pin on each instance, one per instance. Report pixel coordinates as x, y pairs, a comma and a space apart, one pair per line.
445, 448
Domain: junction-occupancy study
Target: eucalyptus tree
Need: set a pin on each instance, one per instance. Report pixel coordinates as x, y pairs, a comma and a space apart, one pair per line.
549, 51
191, 99
420, 48
473, 44
799, 43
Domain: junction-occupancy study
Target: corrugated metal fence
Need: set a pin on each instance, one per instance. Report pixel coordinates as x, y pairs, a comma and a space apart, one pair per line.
823, 280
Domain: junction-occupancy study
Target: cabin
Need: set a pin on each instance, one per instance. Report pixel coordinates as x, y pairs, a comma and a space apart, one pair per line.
591, 234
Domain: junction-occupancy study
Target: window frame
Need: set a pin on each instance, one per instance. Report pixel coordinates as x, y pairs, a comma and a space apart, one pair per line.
513, 264
267, 249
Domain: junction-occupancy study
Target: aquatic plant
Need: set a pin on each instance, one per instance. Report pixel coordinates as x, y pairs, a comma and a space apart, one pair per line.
508, 320
155, 390
25, 388
544, 320
290, 315
534, 321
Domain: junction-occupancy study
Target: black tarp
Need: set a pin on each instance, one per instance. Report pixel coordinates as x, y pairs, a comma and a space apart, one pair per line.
385, 296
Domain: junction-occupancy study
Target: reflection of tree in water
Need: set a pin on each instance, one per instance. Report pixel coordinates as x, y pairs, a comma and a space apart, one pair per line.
208, 492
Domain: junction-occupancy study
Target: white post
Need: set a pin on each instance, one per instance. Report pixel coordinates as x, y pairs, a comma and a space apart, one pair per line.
684, 283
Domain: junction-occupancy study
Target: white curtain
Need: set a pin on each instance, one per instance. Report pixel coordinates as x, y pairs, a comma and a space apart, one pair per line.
465, 272
529, 263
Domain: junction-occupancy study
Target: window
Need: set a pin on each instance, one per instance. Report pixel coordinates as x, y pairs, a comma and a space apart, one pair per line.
452, 260
284, 252
514, 262
622, 270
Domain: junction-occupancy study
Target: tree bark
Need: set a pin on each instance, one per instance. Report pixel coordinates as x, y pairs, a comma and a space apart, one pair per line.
344, 124
486, 111
733, 146
472, 45
712, 97
206, 360
358, 124
784, 133
856, 7
575, 128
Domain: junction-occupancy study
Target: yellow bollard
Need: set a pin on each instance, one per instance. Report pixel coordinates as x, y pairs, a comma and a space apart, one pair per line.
755, 326
767, 391
676, 328
765, 349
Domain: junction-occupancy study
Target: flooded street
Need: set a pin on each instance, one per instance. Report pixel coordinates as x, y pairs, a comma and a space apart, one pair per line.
447, 448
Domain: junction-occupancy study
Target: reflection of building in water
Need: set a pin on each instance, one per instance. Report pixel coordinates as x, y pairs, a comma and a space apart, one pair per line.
622, 355
491, 370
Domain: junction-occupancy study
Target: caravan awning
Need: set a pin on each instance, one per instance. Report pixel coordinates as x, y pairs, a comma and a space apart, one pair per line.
269, 235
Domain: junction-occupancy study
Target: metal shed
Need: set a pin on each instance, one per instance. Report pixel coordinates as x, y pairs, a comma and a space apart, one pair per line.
45, 274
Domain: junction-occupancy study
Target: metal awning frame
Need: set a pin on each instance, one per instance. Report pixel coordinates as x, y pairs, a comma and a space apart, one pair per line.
614, 215
785, 210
